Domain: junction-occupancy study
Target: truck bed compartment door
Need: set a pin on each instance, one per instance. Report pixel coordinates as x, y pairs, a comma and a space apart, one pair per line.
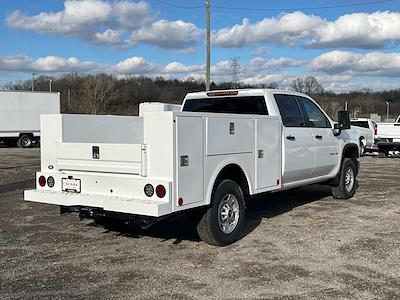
189, 161
268, 153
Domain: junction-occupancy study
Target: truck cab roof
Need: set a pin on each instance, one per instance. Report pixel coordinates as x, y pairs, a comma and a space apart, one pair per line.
237, 92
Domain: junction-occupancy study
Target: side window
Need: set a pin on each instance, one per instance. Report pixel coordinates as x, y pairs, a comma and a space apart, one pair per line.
290, 111
313, 115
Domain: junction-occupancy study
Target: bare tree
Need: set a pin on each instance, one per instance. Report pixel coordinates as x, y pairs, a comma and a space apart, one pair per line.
307, 85
98, 91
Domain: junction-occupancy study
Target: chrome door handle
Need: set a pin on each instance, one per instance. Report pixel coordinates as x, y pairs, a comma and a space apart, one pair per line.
291, 137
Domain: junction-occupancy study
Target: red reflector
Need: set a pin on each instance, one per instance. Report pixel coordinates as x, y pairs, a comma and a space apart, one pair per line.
160, 191
180, 201
218, 94
42, 181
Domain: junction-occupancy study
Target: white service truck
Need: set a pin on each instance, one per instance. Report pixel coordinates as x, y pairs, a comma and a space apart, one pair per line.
221, 148
388, 137
20, 115
367, 129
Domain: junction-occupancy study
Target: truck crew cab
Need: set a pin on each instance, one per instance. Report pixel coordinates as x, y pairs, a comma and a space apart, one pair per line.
222, 147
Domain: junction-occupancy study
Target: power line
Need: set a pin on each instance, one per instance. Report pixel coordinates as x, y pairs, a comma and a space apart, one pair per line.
180, 6
278, 8
304, 8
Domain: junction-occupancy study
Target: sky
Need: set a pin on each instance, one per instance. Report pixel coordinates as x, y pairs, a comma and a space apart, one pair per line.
346, 44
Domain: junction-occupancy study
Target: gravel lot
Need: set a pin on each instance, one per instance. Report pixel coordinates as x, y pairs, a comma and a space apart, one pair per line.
299, 244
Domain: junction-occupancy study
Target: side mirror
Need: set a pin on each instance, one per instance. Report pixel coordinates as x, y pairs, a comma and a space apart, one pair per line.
344, 120
336, 129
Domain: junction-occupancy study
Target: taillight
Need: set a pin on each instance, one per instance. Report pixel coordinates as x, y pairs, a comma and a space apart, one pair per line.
160, 191
42, 181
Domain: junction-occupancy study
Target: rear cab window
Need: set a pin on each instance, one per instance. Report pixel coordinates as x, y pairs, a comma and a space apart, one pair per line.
252, 105
360, 124
289, 110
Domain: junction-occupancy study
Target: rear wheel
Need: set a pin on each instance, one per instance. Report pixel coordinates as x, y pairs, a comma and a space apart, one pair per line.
362, 148
223, 221
25, 141
347, 181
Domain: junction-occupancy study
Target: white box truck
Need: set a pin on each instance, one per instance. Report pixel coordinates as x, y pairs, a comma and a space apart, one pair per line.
20, 115
221, 148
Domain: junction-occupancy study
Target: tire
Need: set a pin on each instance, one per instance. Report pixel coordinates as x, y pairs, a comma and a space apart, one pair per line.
362, 148
223, 222
25, 141
383, 154
347, 181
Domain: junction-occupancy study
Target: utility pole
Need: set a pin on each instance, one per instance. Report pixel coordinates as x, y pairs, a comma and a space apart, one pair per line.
33, 82
69, 100
208, 45
387, 110
51, 80
346, 106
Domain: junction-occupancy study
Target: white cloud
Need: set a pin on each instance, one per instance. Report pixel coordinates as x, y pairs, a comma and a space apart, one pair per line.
47, 64
110, 37
356, 30
168, 34
260, 63
60, 64
369, 64
359, 30
134, 65
336, 70
13, 62
77, 18
177, 67
287, 29
283, 79
123, 22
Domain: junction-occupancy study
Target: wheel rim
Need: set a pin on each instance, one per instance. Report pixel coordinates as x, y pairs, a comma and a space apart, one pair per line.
349, 179
228, 213
26, 142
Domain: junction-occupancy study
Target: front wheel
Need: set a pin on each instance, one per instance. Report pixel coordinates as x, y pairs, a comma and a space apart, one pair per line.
223, 221
347, 181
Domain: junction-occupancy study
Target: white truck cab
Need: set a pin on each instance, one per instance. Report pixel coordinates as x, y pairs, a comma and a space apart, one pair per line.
221, 148
367, 129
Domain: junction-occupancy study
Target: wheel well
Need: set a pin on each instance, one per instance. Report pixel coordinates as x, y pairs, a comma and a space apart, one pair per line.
235, 173
28, 134
351, 151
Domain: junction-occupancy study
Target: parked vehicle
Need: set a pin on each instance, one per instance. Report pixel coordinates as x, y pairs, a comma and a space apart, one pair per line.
221, 148
20, 116
367, 130
388, 137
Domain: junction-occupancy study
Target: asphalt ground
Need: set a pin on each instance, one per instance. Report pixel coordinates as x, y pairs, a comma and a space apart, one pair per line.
299, 244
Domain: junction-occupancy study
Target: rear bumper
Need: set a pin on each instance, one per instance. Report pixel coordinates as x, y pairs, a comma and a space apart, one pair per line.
141, 207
